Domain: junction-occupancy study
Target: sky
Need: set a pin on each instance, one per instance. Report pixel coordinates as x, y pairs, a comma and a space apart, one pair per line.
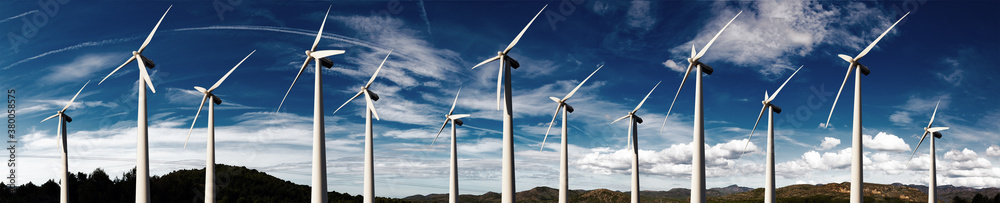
943, 51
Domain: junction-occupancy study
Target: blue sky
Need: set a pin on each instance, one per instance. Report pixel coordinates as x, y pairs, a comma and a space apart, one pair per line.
943, 51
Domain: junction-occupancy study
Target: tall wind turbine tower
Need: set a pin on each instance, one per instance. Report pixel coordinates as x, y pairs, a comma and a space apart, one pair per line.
370, 98
633, 134
857, 181
561, 105
698, 160
210, 148
769, 187
142, 143
319, 136
455, 119
932, 179
506, 62
61, 142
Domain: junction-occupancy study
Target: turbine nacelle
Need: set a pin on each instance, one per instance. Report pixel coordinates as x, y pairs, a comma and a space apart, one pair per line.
637, 118
146, 61
864, 69
458, 122
510, 61
372, 95
325, 62
569, 108
937, 135
68, 119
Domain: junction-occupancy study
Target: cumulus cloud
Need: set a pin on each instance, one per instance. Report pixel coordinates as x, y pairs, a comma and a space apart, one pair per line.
885, 142
673, 161
901, 118
814, 161
829, 143
993, 151
670, 63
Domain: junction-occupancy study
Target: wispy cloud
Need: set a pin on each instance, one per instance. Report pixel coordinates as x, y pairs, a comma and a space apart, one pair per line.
18, 16
74, 47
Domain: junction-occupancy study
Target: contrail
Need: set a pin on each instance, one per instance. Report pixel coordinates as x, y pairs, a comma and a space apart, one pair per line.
81, 45
423, 14
18, 16
300, 32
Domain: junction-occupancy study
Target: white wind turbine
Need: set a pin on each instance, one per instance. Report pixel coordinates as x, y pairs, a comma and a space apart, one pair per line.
506, 62
932, 180
142, 144
857, 181
319, 144
769, 196
563, 155
455, 120
210, 148
634, 120
698, 160
370, 97
61, 142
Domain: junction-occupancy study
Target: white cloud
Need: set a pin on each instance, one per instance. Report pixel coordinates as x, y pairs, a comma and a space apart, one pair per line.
901, 118
772, 34
673, 161
829, 143
82, 67
885, 142
993, 151
639, 15
960, 156
812, 161
670, 63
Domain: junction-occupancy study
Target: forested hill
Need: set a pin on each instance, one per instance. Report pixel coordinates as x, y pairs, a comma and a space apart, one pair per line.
240, 184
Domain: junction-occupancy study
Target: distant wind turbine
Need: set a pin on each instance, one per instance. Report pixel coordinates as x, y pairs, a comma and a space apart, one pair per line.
142, 148
210, 148
698, 160
857, 181
634, 120
563, 154
319, 140
506, 62
61, 142
370, 98
455, 120
932, 180
769, 196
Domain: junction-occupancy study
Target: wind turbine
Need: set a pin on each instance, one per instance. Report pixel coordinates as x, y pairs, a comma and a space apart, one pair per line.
506, 62
319, 143
769, 196
370, 97
210, 149
455, 120
932, 180
142, 144
634, 120
857, 188
61, 142
563, 155
698, 160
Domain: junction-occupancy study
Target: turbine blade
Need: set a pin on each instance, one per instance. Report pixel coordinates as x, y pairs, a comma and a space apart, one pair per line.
702, 52
486, 61
230, 72
499, 80
647, 97
555, 99
934, 114
348, 101
623, 117
550, 127
691, 65
50, 117
870, 46
917, 147
439, 131
783, 84
203, 99
371, 105
326, 53
458, 116
455, 102
581, 83
936, 129
370, 81
320, 33
116, 69
74, 96
304, 64
761, 114
693, 52
145, 76
518, 38
150, 37
845, 57
827, 125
